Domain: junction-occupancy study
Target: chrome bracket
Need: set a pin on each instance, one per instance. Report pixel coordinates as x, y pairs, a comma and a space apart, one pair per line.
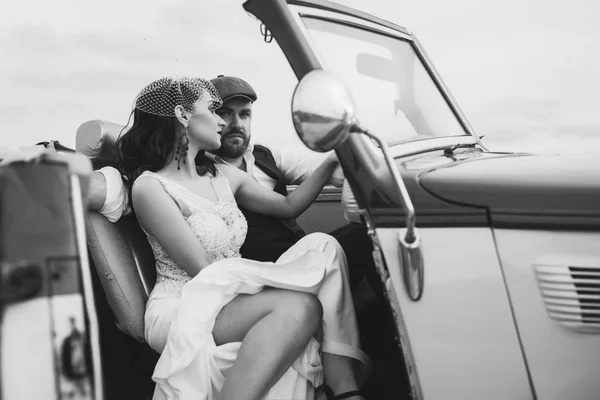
412, 265
409, 240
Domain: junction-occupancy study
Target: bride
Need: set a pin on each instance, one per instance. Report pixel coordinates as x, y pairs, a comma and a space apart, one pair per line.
227, 327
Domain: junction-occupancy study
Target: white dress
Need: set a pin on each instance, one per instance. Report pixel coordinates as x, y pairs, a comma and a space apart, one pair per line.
181, 312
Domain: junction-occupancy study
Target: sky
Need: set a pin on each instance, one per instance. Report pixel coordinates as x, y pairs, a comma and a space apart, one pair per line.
523, 72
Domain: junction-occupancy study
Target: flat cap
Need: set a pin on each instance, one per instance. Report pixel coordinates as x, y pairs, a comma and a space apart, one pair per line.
231, 86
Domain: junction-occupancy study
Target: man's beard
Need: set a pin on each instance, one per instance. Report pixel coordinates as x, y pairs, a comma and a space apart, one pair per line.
230, 150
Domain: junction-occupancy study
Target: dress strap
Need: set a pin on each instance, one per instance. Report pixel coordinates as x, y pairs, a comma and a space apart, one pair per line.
166, 184
222, 186
171, 189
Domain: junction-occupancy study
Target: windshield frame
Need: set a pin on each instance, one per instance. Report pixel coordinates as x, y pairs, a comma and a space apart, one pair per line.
304, 9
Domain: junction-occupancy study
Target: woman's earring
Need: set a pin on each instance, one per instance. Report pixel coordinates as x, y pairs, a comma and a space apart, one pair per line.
182, 148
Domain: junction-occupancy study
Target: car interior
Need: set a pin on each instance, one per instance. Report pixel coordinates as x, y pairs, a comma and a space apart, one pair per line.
125, 273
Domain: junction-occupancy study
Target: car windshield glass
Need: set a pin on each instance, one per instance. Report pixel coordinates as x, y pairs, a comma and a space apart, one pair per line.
395, 95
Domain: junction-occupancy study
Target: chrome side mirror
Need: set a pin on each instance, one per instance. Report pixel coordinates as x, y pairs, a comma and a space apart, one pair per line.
324, 114
322, 111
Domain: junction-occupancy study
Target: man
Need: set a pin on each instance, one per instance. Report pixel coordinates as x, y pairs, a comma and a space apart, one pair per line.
267, 237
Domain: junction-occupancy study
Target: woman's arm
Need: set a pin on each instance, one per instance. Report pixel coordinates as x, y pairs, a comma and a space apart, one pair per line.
253, 196
160, 216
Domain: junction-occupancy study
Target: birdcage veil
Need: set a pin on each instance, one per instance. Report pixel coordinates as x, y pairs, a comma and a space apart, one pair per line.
163, 95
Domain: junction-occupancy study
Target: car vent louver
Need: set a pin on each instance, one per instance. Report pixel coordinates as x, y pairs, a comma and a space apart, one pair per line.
570, 286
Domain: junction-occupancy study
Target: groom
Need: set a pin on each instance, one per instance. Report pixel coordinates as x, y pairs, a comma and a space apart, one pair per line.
270, 237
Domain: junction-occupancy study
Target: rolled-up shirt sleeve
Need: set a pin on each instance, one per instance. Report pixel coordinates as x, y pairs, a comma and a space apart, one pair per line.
117, 199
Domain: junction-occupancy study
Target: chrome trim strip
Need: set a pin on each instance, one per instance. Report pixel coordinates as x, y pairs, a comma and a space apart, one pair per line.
409, 239
88, 293
314, 12
446, 92
329, 193
296, 15
420, 146
425, 145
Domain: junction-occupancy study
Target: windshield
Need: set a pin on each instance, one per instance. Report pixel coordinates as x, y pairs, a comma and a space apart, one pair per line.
396, 97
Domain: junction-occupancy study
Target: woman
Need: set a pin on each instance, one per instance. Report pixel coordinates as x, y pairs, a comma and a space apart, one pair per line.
229, 328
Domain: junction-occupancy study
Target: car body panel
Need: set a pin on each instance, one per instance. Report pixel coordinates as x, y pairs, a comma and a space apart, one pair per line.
49, 331
564, 360
461, 331
432, 211
325, 214
525, 191
26, 330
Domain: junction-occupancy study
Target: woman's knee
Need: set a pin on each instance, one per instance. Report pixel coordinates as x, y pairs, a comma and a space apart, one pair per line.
325, 243
305, 308
321, 239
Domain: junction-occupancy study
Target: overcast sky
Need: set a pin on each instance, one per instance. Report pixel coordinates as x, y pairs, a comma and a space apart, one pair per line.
524, 72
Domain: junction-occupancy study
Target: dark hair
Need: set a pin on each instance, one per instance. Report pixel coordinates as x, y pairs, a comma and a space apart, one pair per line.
149, 145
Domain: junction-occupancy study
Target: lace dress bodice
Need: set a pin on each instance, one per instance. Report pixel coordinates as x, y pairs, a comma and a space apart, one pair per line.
220, 227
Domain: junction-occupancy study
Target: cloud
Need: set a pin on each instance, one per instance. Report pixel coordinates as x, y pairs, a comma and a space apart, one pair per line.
523, 72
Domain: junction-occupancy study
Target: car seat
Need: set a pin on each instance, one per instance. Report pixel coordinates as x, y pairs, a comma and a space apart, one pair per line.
125, 266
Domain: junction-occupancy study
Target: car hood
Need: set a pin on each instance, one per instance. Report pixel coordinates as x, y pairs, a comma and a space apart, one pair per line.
523, 191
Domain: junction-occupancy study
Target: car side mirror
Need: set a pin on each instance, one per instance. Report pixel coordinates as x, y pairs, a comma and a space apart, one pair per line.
322, 111
324, 114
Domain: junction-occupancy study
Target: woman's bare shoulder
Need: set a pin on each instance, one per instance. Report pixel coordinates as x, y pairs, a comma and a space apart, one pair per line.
146, 186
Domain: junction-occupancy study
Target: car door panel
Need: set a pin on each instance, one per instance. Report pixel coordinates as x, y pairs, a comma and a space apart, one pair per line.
563, 353
48, 329
325, 214
461, 331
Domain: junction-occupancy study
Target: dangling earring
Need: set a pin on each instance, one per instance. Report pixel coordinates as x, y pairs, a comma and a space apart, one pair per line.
182, 148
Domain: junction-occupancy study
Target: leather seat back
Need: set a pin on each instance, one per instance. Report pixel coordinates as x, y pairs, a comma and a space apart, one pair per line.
96, 139
119, 251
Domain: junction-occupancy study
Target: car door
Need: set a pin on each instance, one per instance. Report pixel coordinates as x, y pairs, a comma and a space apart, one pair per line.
459, 338
545, 214
49, 347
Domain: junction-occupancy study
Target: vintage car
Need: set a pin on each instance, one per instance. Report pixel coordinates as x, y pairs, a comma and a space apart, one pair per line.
488, 262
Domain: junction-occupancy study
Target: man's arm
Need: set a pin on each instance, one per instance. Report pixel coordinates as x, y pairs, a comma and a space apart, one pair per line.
108, 194
97, 191
296, 168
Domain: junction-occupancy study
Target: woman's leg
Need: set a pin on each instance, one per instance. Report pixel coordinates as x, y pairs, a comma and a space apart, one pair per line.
339, 374
274, 327
341, 342
339, 371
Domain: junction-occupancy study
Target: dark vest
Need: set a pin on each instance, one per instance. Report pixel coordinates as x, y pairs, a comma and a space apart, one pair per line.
268, 237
